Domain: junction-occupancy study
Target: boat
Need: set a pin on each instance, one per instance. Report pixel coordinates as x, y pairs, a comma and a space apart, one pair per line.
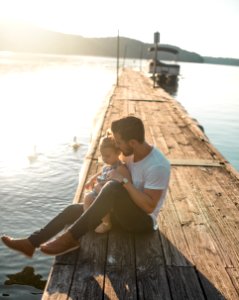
166, 73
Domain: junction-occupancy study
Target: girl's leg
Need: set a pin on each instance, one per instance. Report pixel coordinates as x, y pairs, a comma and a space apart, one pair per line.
105, 226
106, 219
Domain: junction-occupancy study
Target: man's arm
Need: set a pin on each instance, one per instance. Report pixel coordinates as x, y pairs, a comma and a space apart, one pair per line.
123, 170
147, 200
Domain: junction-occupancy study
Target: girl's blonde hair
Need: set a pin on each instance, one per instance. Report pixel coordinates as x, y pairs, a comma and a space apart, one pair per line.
108, 141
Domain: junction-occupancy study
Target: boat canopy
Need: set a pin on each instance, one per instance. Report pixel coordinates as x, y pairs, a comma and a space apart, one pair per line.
163, 48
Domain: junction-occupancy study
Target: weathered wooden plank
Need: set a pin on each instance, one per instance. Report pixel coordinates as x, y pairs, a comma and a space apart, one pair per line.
183, 198
216, 282
221, 214
225, 239
150, 267
208, 240
234, 275
174, 243
145, 100
88, 279
120, 279
182, 140
67, 259
61, 276
184, 283
157, 138
229, 185
59, 282
199, 146
153, 284
195, 162
87, 283
148, 250
131, 108
193, 134
195, 220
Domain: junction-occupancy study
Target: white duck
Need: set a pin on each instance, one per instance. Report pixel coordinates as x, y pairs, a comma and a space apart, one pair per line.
32, 156
75, 145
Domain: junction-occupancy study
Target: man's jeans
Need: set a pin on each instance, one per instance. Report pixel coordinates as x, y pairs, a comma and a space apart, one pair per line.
113, 199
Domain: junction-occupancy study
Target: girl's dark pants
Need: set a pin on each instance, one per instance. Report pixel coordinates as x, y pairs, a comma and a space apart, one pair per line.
113, 199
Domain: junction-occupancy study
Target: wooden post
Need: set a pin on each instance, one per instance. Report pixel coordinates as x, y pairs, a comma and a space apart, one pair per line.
140, 58
156, 41
117, 68
125, 54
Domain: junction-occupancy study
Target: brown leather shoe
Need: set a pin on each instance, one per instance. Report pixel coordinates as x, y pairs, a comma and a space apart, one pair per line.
21, 245
61, 245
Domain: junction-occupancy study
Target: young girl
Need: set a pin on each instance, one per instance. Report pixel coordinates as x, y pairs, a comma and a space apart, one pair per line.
110, 155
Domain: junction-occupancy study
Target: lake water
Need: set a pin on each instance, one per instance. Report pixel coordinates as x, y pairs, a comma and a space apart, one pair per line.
46, 101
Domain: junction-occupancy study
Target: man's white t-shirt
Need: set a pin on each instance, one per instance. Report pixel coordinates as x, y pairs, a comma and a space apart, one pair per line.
152, 172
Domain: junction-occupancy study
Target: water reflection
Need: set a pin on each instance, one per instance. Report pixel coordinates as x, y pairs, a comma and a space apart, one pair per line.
26, 277
171, 88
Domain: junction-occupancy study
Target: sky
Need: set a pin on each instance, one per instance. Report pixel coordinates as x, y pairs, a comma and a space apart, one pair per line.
208, 27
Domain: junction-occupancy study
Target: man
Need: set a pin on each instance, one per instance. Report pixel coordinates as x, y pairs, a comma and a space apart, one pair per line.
132, 205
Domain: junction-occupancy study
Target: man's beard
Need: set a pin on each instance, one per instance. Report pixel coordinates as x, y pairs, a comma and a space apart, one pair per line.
128, 152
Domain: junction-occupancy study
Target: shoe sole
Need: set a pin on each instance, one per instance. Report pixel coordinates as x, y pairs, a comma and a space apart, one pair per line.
63, 252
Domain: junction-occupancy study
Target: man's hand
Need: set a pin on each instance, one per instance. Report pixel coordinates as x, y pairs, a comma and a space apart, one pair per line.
90, 183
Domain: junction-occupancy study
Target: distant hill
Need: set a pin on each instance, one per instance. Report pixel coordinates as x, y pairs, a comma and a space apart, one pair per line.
22, 37
25, 38
221, 61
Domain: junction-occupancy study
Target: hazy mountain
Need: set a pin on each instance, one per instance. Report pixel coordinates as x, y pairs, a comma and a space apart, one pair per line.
25, 38
221, 61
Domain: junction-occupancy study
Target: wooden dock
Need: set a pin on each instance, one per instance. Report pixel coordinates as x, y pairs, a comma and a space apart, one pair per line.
195, 253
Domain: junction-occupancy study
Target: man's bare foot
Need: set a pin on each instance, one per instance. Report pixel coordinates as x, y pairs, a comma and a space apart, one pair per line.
21, 245
103, 227
61, 245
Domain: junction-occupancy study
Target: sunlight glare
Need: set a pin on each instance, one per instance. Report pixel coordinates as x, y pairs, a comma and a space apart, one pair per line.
46, 107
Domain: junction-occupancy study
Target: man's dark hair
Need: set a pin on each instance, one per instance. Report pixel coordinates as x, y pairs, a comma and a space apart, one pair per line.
129, 128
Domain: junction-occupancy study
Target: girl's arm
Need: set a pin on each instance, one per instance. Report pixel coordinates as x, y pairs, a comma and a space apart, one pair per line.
91, 181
